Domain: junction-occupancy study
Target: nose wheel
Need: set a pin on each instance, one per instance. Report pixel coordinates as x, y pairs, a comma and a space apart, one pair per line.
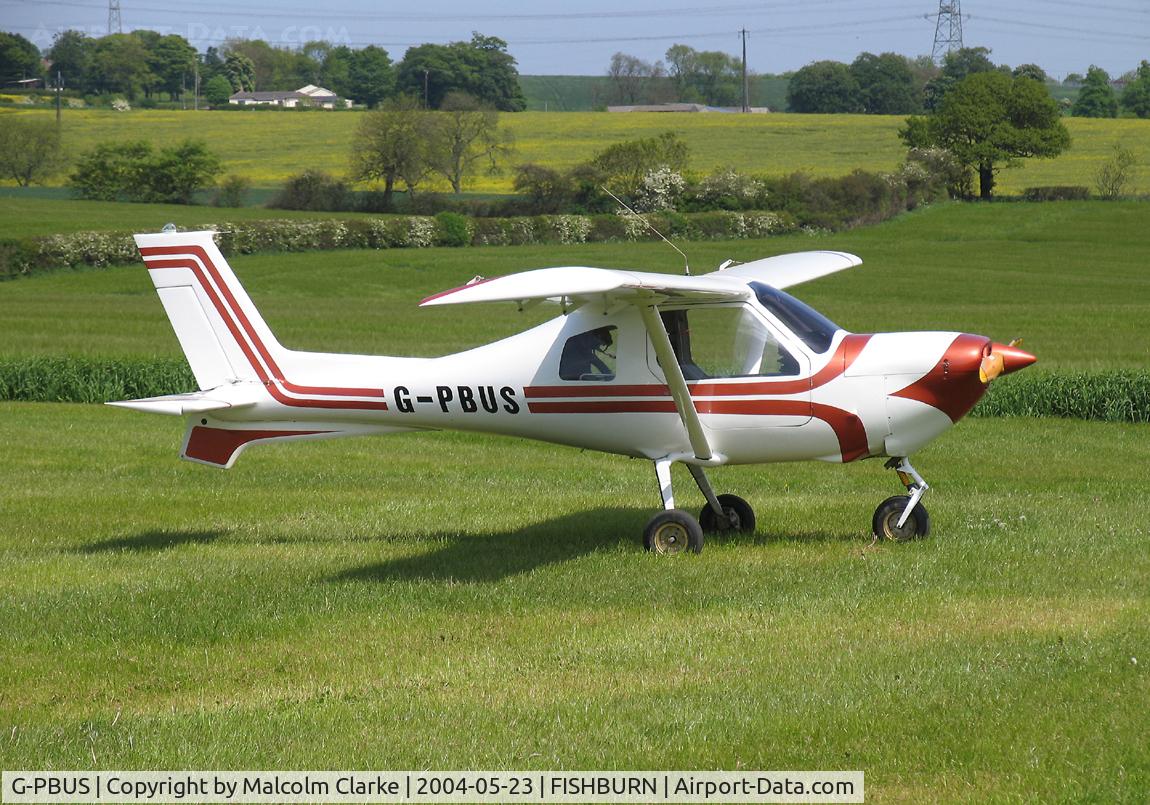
903, 517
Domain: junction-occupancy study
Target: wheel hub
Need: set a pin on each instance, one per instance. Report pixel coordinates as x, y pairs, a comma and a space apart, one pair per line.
670, 538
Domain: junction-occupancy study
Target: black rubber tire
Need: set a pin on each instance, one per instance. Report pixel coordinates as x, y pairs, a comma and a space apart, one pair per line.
887, 514
741, 514
673, 531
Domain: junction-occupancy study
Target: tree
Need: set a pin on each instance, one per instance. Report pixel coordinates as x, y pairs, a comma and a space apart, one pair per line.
1136, 97
631, 78
1096, 98
218, 90
464, 135
19, 58
1031, 71
240, 72
824, 86
708, 76
370, 77
990, 120
391, 145
886, 84
71, 55
172, 61
29, 150
957, 65
120, 64
482, 68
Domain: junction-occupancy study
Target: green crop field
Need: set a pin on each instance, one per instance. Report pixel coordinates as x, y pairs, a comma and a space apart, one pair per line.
455, 601
267, 147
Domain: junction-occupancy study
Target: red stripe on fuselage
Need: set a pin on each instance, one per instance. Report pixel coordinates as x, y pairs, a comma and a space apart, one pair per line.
847, 352
232, 311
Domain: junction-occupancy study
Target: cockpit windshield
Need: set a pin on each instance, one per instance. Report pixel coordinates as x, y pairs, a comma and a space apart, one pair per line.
815, 329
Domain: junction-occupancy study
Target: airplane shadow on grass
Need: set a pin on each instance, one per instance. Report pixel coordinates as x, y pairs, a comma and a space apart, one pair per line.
479, 558
151, 541
484, 558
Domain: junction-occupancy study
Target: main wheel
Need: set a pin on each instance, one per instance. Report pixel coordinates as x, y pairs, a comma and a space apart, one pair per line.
673, 531
886, 516
740, 515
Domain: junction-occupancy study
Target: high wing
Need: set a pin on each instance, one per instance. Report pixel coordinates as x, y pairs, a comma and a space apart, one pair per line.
786, 270
575, 285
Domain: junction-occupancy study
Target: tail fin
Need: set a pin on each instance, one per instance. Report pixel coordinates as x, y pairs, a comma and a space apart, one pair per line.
222, 334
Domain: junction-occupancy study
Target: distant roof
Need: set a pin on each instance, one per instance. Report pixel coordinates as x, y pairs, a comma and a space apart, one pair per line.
277, 95
312, 91
684, 107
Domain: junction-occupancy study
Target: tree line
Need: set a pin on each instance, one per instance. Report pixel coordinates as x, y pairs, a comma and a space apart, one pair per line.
148, 65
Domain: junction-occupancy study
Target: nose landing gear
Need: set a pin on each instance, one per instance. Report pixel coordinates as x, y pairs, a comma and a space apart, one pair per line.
903, 517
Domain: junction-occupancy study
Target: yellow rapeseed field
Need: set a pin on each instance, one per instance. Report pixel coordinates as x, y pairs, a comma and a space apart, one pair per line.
267, 147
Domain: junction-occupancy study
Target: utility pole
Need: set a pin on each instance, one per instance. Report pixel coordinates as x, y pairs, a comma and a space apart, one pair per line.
746, 89
59, 87
196, 85
426, 74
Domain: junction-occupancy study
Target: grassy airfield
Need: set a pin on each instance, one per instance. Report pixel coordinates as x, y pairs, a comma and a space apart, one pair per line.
452, 601
267, 147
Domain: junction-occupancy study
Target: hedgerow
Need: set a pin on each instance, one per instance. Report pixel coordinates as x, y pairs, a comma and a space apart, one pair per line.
20, 257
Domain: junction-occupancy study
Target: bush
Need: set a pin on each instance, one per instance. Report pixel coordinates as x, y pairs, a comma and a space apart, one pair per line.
232, 192
1115, 173
312, 190
132, 171
1056, 193
728, 189
453, 229
547, 190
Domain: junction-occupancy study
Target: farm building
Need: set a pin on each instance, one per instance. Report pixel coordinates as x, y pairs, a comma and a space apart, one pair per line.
310, 95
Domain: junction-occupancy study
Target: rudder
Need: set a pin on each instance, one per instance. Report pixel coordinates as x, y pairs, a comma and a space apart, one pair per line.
219, 329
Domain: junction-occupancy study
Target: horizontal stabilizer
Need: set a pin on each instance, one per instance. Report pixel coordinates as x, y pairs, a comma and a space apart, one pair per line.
179, 404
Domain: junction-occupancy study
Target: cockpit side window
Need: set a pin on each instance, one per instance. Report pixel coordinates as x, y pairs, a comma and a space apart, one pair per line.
726, 342
589, 355
815, 329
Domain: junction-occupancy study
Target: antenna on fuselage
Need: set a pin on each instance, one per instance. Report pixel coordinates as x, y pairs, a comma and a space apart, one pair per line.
619, 201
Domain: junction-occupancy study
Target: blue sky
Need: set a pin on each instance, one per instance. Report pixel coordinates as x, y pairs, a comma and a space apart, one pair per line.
558, 38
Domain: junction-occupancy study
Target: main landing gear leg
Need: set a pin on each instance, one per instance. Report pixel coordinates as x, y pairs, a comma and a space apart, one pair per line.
671, 530
722, 512
903, 517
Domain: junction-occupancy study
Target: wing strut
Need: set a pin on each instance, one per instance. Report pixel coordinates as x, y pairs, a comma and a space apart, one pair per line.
675, 381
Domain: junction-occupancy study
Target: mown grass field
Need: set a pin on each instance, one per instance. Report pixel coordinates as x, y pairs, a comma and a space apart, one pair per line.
455, 601
1069, 277
267, 147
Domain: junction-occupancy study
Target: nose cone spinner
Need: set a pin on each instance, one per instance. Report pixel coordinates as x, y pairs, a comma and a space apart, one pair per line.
1002, 359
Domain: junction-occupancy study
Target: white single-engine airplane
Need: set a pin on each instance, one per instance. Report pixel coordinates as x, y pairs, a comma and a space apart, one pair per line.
723, 368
